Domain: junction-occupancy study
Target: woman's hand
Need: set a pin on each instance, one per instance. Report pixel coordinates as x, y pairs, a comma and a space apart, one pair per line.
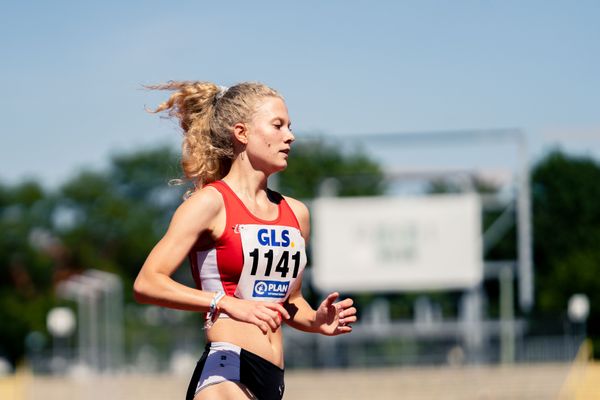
335, 318
265, 315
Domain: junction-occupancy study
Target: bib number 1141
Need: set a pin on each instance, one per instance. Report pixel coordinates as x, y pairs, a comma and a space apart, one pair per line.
282, 264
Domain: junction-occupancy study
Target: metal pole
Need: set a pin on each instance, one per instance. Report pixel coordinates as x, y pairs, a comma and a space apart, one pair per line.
507, 331
524, 231
93, 290
471, 315
113, 316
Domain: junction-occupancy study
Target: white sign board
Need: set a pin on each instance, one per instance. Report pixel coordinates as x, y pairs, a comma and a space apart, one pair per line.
397, 243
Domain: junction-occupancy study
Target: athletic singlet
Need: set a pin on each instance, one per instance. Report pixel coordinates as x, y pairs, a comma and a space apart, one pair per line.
253, 259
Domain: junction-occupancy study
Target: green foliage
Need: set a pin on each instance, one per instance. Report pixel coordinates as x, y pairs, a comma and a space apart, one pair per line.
24, 271
107, 220
566, 193
120, 214
310, 163
566, 216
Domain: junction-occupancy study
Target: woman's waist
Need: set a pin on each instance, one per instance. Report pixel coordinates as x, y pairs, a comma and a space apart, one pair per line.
248, 336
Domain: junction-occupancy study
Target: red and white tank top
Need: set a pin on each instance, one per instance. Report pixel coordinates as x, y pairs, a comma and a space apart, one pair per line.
253, 259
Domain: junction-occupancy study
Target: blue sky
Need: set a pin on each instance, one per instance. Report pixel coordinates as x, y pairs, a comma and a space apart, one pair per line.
72, 72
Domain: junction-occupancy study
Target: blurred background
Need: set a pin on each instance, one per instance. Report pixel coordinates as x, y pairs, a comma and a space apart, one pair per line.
449, 153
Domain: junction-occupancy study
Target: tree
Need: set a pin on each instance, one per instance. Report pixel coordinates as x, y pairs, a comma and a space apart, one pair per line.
312, 162
566, 225
566, 222
107, 220
25, 276
119, 214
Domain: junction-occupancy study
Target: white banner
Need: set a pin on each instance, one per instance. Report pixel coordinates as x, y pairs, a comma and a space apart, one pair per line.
397, 243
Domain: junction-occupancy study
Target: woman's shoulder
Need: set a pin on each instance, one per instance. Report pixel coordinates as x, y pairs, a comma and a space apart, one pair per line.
297, 206
207, 200
197, 213
302, 214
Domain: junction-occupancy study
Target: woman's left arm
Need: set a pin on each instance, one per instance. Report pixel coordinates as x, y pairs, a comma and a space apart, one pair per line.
331, 317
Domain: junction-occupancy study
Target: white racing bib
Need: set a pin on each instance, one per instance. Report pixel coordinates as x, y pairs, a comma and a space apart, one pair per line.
274, 258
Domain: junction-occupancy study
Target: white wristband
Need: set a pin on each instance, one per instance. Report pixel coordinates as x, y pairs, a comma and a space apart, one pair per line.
213, 313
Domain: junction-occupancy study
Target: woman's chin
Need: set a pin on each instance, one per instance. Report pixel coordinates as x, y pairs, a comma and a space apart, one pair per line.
280, 166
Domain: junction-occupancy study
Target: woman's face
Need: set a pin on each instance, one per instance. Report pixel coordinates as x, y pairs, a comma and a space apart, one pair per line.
269, 136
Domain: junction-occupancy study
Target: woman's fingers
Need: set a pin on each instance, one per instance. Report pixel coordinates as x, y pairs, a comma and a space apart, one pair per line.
348, 320
262, 325
344, 329
330, 299
347, 312
269, 314
266, 316
272, 320
347, 315
346, 303
278, 308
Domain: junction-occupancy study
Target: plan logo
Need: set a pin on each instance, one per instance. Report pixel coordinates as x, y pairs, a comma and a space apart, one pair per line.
270, 289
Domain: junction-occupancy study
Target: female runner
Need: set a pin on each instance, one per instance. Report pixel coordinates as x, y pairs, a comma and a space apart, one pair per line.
245, 242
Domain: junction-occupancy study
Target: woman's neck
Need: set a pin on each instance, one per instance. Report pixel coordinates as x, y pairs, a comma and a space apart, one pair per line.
245, 182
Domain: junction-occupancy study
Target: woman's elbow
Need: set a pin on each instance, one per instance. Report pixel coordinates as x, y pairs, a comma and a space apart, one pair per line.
140, 290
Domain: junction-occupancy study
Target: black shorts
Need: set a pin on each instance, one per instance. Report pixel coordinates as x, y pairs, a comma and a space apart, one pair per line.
222, 361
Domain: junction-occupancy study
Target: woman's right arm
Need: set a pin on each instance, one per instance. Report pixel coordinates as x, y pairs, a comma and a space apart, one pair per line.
203, 213
196, 216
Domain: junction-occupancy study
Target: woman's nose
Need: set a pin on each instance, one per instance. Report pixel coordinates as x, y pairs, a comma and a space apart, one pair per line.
290, 137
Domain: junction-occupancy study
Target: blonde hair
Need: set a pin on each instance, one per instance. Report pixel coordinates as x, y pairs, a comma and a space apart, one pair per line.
207, 113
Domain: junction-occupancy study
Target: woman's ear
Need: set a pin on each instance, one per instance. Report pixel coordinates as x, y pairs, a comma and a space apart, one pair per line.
240, 132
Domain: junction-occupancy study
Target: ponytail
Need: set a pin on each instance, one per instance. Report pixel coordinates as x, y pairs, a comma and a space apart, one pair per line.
207, 113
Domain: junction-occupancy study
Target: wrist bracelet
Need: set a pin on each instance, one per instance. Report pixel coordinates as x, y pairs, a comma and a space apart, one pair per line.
213, 313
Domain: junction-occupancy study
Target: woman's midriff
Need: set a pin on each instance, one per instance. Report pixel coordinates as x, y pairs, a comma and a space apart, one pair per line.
249, 337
